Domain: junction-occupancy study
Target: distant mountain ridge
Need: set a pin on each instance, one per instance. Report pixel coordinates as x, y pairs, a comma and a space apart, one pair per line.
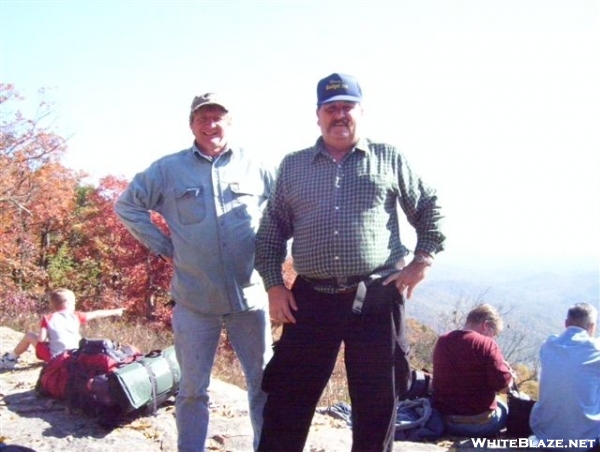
538, 293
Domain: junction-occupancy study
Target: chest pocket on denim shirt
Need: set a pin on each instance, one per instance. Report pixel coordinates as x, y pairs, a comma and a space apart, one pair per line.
245, 198
190, 203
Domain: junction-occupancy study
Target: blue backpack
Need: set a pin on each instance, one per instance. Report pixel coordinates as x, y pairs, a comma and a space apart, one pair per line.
417, 420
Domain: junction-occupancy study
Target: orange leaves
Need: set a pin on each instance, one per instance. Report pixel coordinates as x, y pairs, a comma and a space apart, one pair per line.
55, 232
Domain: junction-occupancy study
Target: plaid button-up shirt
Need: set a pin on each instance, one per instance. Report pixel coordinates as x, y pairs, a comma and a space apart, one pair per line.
343, 217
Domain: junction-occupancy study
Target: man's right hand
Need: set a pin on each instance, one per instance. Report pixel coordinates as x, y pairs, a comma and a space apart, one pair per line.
281, 304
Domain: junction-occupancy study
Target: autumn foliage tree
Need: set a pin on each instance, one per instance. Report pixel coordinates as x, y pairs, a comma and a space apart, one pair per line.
122, 270
56, 232
36, 197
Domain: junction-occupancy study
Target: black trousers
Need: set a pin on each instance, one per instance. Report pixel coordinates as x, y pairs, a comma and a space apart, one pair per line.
375, 358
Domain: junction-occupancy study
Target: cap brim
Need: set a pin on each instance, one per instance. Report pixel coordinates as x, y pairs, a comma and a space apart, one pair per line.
341, 98
211, 103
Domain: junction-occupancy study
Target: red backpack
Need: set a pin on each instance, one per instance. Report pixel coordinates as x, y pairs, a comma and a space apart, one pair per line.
94, 357
110, 382
54, 377
69, 376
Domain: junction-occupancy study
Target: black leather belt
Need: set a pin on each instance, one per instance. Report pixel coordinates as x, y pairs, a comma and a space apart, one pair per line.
339, 284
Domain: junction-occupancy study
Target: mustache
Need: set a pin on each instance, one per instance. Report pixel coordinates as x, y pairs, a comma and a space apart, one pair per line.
340, 122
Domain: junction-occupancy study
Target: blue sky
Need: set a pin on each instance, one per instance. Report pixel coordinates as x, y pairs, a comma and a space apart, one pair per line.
495, 103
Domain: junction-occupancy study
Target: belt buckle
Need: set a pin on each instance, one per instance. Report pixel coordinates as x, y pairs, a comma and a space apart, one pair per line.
341, 282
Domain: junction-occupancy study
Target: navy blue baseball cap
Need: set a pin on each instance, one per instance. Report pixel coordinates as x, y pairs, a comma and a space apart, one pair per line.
337, 87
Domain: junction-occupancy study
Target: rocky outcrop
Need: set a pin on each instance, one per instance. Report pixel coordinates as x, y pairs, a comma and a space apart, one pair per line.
43, 424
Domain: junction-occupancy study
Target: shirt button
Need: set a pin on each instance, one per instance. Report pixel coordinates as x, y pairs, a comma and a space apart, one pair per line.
336, 258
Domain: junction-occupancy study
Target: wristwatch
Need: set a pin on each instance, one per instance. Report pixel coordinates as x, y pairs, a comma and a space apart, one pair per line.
421, 259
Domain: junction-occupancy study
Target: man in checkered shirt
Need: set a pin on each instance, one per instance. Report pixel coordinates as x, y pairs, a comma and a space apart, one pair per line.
338, 200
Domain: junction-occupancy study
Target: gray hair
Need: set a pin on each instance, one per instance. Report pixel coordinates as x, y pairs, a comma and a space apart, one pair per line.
486, 313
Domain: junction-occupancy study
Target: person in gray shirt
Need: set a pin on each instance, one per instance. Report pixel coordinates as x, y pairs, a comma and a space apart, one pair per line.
211, 196
338, 201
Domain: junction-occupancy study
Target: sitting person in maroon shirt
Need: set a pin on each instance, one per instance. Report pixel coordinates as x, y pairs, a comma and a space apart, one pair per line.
468, 371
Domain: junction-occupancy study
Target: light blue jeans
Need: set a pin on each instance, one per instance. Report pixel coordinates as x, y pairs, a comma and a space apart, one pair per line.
490, 428
196, 340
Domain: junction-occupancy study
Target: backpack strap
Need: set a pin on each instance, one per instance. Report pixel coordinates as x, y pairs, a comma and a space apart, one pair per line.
152, 377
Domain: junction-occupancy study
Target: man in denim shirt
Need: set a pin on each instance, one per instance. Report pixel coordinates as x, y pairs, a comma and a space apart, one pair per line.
568, 408
211, 196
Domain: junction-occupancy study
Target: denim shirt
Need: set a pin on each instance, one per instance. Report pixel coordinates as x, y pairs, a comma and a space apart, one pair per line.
213, 209
569, 400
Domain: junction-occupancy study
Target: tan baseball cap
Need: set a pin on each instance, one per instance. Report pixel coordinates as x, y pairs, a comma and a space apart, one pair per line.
208, 99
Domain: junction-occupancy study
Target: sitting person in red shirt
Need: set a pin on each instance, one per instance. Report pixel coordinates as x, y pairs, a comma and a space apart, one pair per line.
468, 372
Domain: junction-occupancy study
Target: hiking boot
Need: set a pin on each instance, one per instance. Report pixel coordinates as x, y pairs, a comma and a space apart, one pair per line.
7, 362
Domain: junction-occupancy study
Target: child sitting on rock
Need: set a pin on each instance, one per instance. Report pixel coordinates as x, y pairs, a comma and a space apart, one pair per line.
59, 331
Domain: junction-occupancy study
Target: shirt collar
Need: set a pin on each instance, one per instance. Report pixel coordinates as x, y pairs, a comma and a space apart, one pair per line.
574, 330
362, 145
199, 154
